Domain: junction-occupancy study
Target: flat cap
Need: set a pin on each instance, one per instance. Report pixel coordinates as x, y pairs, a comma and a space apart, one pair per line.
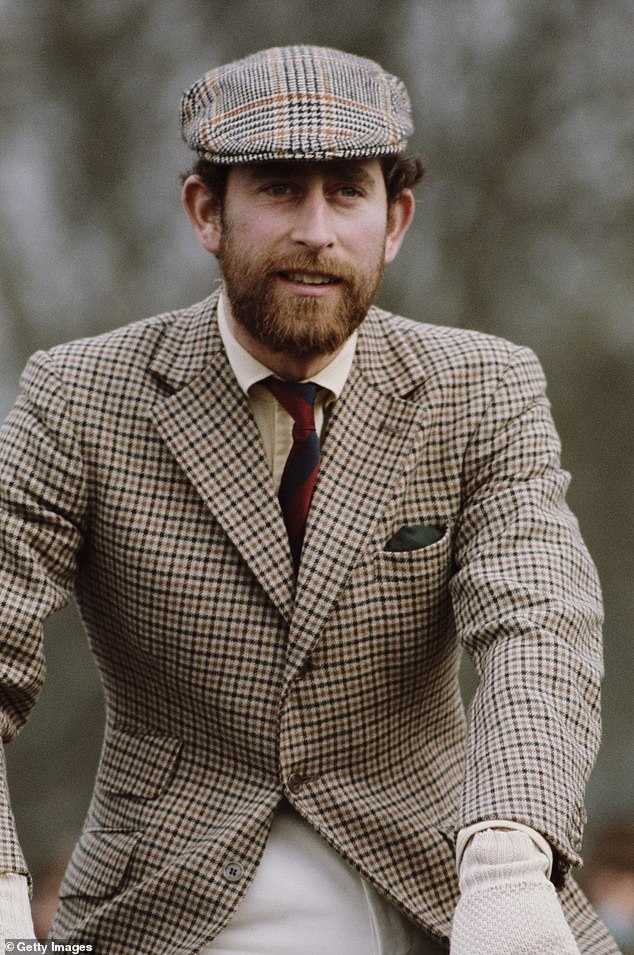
296, 102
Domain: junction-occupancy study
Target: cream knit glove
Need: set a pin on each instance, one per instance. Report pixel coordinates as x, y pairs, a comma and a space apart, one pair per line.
15, 910
507, 905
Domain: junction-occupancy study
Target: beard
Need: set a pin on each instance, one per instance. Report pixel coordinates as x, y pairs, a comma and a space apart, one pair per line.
301, 326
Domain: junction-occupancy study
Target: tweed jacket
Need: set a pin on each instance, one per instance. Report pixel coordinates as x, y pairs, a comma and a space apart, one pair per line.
132, 473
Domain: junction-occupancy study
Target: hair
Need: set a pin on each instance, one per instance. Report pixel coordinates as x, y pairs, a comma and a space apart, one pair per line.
400, 172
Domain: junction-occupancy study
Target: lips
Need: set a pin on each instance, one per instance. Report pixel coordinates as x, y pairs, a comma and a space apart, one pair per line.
310, 278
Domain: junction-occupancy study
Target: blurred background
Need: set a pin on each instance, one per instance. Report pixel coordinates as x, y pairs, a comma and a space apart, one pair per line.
525, 114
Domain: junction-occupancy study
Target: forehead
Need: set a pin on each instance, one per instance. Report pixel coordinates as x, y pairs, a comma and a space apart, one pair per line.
363, 171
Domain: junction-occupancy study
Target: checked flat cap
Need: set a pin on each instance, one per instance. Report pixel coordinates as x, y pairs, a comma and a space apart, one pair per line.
296, 102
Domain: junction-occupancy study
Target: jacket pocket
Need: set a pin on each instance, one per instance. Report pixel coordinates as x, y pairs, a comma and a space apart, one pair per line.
140, 766
424, 562
99, 863
414, 537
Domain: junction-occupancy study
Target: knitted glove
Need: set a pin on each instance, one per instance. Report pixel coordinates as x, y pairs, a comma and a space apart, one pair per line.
15, 910
507, 905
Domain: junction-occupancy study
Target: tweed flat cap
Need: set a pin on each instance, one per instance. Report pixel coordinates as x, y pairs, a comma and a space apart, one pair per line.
296, 102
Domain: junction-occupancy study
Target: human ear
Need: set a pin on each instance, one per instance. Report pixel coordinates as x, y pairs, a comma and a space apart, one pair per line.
399, 215
204, 213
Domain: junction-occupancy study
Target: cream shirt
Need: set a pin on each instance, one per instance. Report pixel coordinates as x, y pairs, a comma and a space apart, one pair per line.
275, 424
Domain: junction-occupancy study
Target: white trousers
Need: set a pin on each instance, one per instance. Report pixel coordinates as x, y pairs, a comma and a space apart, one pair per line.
306, 900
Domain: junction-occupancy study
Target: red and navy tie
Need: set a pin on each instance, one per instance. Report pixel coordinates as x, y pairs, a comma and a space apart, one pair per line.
302, 464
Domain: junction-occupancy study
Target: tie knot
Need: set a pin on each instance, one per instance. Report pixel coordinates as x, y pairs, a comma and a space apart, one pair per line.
297, 398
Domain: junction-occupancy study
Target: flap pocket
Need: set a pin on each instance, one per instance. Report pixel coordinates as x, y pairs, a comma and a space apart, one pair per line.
139, 766
99, 863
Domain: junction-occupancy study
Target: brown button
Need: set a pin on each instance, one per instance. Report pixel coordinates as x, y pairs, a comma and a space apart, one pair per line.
295, 783
306, 668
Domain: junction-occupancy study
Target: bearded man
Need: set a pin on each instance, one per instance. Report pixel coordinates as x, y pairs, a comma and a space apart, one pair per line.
284, 512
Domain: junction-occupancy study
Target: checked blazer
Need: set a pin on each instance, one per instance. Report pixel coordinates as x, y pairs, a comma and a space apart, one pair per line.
132, 473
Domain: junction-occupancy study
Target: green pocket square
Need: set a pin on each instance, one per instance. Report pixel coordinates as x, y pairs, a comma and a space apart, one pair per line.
414, 536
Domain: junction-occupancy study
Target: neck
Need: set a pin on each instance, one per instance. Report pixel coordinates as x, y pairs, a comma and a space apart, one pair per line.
281, 364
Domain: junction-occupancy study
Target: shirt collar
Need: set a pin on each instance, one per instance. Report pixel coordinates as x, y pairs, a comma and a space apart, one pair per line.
248, 370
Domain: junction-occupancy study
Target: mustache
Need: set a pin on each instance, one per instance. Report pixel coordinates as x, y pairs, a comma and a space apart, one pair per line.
306, 262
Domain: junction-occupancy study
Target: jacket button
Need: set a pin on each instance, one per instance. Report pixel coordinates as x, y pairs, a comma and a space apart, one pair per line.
306, 668
233, 871
295, 783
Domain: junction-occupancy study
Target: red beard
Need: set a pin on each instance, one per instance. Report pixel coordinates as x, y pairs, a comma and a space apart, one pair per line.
301, 326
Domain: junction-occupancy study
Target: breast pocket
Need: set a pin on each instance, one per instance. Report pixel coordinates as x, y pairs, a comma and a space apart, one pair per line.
398, 595
414, 537
420, 554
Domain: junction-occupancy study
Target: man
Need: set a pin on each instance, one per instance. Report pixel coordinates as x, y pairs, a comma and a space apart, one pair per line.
283, 511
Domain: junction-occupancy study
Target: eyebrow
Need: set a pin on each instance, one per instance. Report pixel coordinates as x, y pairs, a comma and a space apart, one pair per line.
348, 170
353, 172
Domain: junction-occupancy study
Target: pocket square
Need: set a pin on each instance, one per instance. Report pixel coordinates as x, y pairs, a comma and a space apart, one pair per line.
414, 536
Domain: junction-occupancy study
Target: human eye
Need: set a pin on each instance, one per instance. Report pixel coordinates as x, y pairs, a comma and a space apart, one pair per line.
349, 192
277, 189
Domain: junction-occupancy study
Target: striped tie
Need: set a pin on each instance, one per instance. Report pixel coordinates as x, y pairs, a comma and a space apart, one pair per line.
302, 464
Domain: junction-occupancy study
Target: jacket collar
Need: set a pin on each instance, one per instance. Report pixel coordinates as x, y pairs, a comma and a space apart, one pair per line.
190, 342
384, 356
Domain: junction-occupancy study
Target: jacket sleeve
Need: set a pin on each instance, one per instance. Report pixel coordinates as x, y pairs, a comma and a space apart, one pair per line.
527, 606
42, 500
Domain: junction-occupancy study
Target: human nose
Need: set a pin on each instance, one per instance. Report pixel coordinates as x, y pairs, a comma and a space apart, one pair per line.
312, 225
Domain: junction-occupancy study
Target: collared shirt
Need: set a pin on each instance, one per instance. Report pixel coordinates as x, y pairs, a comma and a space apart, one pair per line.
274, 423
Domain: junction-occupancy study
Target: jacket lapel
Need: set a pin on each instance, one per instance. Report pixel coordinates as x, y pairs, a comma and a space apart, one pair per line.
207, 425
364, 455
